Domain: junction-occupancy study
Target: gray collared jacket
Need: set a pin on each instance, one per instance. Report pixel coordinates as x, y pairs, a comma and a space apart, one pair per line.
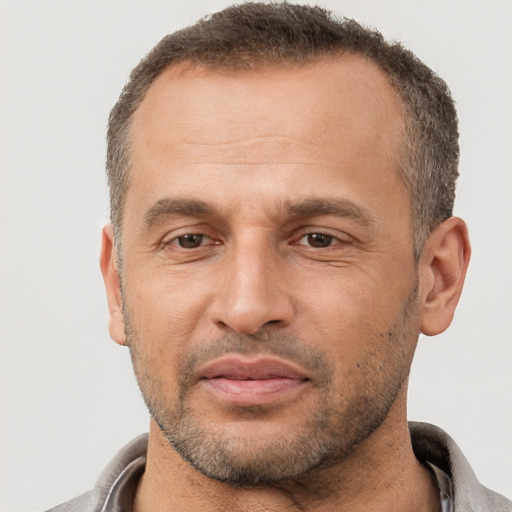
115, 488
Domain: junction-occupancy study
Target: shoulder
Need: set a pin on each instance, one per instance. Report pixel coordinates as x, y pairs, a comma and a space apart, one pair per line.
116, 486
434, 445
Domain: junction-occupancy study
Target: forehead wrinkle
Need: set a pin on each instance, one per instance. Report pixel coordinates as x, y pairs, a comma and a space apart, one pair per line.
254, 151
272, 144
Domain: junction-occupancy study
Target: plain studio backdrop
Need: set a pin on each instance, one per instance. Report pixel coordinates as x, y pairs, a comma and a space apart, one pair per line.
68, 396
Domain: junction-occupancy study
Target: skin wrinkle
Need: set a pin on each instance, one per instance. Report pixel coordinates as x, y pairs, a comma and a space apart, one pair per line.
287, 140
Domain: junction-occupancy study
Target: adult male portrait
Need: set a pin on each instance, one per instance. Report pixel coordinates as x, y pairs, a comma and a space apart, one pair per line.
282, 187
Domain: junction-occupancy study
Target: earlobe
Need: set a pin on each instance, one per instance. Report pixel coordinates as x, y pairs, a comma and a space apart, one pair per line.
112, 286
443, 267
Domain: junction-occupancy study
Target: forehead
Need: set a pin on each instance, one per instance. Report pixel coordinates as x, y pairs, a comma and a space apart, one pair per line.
335, 93
197, 127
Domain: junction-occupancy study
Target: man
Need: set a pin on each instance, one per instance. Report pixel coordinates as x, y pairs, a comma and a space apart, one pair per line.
282, 186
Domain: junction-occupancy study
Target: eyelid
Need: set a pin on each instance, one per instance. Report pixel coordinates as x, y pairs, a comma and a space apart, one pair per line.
171, 237
176, 238
206, 242
307, 235
340, 237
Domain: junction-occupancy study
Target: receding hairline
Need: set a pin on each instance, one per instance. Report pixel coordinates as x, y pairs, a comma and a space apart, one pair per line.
177, 70
182, 67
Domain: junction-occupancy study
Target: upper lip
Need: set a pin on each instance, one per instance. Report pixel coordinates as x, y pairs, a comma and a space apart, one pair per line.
240, 368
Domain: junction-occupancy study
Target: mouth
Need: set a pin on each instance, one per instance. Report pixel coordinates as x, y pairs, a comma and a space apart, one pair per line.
253, 381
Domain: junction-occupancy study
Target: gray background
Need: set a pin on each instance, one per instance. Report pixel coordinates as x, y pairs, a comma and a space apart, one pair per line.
68, 397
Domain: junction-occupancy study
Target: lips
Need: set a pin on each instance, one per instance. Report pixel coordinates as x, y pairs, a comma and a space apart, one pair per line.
252, 382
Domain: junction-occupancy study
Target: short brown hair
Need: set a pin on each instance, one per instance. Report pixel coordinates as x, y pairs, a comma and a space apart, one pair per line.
251, 34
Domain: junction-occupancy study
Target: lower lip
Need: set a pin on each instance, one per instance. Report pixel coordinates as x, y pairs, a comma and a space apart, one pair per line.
253, 392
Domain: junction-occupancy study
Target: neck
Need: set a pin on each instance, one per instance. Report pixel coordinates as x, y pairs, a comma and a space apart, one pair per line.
382, 473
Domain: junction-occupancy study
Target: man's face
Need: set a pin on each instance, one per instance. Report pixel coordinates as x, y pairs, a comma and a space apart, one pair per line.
269, 285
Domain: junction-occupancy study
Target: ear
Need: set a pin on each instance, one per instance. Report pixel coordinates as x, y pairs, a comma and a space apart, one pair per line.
112, 285
443, 267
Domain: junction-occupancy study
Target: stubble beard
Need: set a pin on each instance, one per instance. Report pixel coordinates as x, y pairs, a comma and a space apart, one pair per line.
324, 436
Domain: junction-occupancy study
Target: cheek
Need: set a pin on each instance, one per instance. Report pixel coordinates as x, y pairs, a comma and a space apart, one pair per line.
166, 305
347, 303
355, 318
161, 320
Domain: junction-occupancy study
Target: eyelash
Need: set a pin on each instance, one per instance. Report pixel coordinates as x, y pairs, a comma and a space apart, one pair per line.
176, 241
310, 236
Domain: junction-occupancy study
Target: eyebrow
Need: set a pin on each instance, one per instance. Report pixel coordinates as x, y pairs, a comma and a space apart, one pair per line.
316, 207
167, 207
337, 207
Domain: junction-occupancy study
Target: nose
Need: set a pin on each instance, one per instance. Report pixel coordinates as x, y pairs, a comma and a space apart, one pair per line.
252, 292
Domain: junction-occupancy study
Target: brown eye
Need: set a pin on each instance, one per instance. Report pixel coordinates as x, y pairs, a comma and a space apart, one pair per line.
190, 241
319, 240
